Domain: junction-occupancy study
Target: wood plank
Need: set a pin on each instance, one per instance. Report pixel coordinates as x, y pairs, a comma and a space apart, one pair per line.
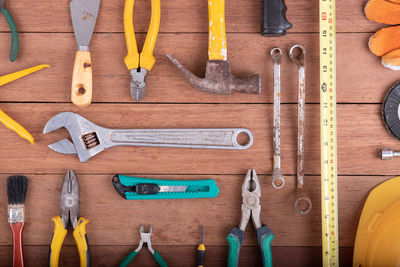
185, 16
361, 135
176, 256
115, 221
356, 84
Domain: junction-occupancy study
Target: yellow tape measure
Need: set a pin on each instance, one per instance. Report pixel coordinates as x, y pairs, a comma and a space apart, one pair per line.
329, 201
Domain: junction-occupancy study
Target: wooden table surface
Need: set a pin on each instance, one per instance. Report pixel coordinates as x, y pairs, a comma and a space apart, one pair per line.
46, 36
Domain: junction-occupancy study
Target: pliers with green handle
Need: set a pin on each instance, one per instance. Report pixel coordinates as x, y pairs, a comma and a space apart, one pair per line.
13, 29
144, 238
251, 193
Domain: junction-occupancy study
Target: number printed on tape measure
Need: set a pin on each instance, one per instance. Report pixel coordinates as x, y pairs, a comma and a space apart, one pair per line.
329, 203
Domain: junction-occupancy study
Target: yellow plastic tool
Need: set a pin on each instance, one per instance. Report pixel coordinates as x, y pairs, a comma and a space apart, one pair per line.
146, 59
217, 49
140, 64
378, 234
4, 118
79, 234
69, 215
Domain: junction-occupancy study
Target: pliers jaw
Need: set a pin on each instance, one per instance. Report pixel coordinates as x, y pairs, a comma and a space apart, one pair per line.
145, 238
70, 199
251, 193
138, 84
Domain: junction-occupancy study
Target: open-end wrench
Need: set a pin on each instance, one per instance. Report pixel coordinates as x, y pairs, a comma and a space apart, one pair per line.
302, 204
278, 181
89, 139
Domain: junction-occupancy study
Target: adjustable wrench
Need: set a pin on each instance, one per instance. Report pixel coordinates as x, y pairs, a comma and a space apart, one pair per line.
278, 181
302, 204
89, 139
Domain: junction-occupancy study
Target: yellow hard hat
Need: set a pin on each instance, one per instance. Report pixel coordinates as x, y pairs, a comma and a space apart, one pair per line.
378, 234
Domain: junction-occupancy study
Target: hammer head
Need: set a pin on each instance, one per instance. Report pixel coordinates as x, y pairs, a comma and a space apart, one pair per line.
219, 79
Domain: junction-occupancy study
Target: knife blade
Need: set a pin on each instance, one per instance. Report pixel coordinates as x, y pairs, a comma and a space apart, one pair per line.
84, 16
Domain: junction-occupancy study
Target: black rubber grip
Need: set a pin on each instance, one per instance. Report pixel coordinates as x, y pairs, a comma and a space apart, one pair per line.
273, 18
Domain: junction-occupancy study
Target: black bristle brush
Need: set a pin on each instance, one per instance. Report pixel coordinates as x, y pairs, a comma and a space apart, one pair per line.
16, 191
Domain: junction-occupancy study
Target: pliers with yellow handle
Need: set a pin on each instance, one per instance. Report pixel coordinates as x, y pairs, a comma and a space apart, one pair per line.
140, 64
4, 118
13, 29
69, 213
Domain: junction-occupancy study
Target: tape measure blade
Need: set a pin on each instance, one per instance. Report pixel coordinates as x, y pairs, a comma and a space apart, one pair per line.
329, 200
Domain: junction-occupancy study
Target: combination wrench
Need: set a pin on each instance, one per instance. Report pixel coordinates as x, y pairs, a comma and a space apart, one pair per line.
89, 139
278, 181
302, 203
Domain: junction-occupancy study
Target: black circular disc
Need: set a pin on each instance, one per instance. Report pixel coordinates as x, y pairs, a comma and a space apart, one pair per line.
391, 111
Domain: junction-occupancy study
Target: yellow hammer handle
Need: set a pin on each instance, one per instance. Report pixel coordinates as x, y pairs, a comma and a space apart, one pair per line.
132, 58
147, 59
15, 126
217, 49
56, 243
19, 74
82, 242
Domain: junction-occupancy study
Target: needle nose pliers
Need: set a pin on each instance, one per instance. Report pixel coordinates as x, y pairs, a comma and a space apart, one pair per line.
144, 238
13, 29
69, 213
251, 193
4, 118
140, 64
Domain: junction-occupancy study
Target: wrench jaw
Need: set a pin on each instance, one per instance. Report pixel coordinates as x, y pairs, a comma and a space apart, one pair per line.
78, 128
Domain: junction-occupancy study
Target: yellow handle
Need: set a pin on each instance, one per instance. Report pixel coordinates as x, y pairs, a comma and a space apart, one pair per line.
15, 126
81, 242
217, 49
16, 75
56, 243
147, 59
81, 89
132, 58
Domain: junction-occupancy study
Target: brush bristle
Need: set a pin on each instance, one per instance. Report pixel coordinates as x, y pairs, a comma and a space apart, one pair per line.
16, 189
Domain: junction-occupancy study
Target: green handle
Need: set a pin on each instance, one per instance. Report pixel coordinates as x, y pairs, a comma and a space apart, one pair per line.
235, 239
128, 259
264, 237
161, 262
14, 34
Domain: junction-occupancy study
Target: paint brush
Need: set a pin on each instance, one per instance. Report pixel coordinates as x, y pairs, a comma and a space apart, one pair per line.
16, 191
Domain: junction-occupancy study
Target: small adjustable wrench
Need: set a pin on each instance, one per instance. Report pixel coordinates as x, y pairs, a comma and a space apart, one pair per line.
278, 181
89, 139
302, 203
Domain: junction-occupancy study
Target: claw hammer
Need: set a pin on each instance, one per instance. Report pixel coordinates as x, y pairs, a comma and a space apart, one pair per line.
218, 78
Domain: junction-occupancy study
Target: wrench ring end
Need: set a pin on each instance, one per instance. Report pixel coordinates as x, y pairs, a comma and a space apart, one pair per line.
276, 180
308, 207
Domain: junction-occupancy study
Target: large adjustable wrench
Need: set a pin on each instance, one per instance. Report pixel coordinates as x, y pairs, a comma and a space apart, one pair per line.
89, 139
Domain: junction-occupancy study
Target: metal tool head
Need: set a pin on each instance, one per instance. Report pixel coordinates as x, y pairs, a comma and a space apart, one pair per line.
145, 237
70, 199
86, 136
138, 84
84, 16
296, 54
219, 79
251, 193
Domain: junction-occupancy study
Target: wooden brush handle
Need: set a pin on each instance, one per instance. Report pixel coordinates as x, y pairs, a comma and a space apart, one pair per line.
18, 257
81, 89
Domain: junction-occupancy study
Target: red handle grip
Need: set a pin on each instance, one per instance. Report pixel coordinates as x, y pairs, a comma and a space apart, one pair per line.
18, 257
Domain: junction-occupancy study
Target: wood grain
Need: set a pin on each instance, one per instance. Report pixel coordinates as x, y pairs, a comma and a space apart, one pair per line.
186, 16
357, 122
103, 256
362, 79
116, 221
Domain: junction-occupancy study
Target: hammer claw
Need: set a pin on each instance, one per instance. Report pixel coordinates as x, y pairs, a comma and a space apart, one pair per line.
219, 79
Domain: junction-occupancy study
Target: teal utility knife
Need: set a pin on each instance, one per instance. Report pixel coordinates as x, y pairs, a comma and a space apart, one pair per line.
142, 188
